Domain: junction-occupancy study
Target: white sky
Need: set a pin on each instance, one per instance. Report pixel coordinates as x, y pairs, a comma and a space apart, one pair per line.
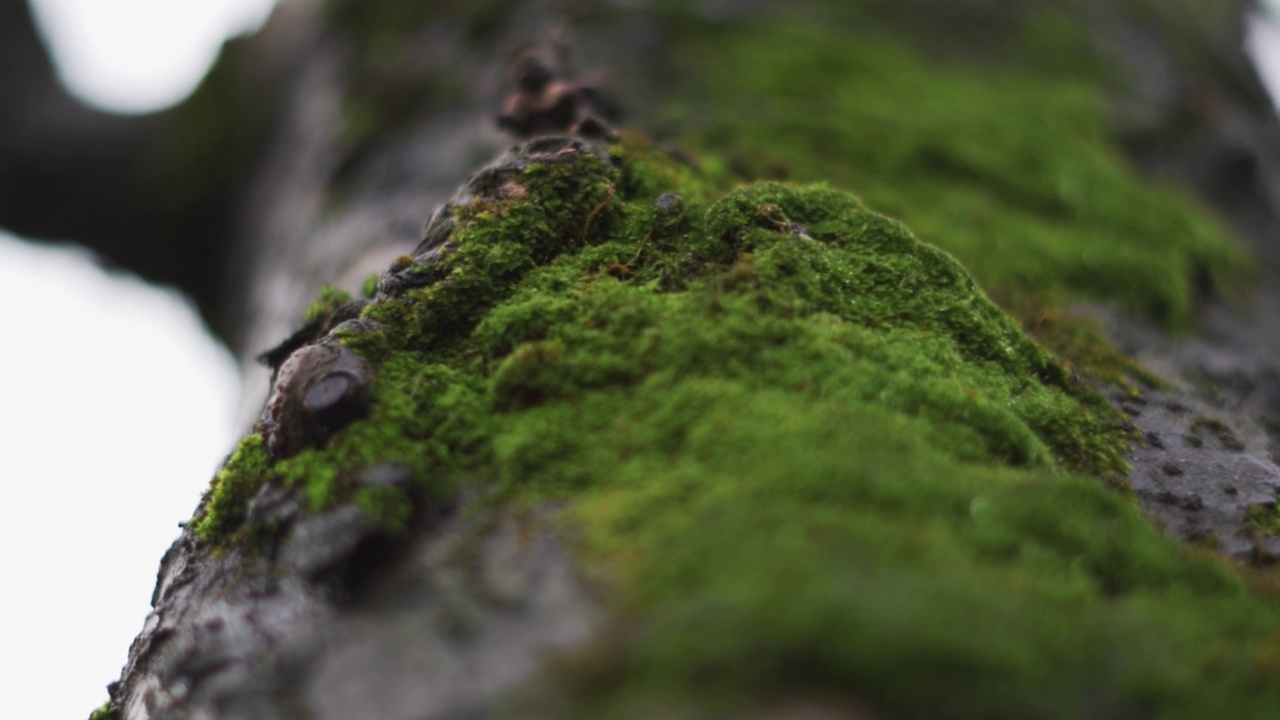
116, 406
1263, 41
137, 55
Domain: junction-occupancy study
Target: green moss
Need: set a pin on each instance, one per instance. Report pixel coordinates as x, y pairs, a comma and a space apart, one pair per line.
1264, 519
424, 417
222, 510
325, 304
497, 243
1083, 346
1014, 173
102, 713
647, 171
393, 506
805, 452
854, 300
769, 563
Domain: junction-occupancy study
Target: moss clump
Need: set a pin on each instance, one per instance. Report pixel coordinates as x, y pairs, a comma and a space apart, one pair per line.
832, 291
1016, 174
1264, 519
806, 452
324, 306
424, 418
222, 510
561, 205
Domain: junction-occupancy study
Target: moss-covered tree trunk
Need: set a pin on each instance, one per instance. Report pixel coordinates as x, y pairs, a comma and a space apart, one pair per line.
638, 421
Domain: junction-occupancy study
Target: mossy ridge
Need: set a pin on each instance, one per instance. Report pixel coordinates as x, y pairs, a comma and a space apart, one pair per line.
777, 410
555, 207
425, 417
428, 411
853, 299
1014, 173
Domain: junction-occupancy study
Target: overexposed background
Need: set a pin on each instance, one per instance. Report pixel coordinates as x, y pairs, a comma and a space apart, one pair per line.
117, 405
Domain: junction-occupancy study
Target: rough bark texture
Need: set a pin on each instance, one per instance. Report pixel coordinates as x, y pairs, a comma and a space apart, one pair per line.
374, 118
1211, 443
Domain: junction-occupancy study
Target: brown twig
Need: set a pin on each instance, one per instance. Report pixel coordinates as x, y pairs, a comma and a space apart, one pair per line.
594, 212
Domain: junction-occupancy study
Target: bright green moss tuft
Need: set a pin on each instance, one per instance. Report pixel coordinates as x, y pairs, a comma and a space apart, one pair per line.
222, 511
563, 205
425, 417
329, 300
852, 305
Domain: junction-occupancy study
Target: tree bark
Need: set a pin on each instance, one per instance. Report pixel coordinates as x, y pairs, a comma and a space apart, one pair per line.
314, 155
